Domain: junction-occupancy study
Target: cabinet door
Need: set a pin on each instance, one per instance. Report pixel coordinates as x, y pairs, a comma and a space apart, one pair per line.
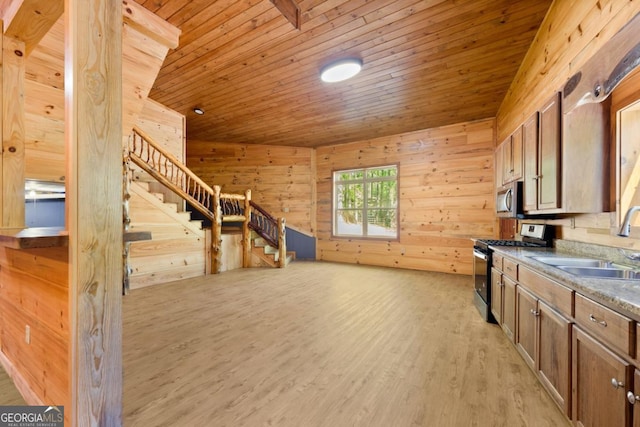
516, 154
508, 306
635, 398
526, 325
499, 160
530, 157
554, 355
600, 380
496, 294
549, 155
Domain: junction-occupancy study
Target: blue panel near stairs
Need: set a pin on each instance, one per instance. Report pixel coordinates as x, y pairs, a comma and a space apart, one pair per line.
303, 245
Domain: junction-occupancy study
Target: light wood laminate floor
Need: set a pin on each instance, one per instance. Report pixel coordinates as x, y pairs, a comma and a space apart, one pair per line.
322, 344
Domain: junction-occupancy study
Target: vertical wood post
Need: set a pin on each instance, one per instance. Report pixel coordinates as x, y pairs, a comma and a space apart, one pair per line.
13, 117
246, 232
282, 243
216, 232
93, 134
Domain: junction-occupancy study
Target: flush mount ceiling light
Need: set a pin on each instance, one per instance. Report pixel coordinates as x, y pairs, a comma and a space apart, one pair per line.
199, 111
341, 70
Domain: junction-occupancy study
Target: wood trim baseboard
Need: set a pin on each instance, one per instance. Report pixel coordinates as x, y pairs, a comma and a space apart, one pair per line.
22, 385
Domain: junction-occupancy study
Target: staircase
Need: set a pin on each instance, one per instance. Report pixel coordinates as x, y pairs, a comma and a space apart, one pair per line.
263, 236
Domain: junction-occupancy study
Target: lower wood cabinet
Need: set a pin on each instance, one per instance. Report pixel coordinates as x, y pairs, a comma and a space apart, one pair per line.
600, 383
526, 325
496, 294
543, 338
554, 355
634, 399
508, 307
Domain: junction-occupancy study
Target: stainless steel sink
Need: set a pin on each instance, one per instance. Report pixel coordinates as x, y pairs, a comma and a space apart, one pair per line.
603, 272
571, 261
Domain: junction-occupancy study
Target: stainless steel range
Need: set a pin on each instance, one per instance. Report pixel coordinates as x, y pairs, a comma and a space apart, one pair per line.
533, 235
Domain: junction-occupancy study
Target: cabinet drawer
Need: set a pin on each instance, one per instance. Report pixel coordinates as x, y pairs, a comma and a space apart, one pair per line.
611, 327
496, 261
554, 294
510, 268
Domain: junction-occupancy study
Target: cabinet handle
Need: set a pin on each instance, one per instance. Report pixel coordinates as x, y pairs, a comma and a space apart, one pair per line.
616, 384
602, 323
536, 177
535, 312
632, 398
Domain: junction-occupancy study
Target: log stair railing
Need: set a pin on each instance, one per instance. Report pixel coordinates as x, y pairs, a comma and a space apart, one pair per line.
216, 206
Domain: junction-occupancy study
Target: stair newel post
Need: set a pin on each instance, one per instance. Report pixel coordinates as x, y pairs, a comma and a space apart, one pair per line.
126, 220
216, 232
282, 243
246, 232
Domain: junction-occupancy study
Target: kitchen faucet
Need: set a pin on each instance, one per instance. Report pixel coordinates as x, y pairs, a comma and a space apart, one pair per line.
625, 228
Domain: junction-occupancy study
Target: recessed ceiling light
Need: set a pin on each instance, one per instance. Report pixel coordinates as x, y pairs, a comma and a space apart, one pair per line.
341, 70
198, 111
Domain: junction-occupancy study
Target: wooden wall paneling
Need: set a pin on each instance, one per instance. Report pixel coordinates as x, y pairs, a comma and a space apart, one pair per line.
94, 123
30, 20
34, 294
13, 137
440, 209
280, 178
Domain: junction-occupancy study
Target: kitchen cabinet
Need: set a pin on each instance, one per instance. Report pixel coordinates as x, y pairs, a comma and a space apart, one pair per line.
508, 306
554, 355
530, 166
600, 381
496, 294
526, 325
512, 157
543, 334
634, 399
548, 167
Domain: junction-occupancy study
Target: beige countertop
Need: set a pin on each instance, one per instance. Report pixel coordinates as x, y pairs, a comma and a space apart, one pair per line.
49, 237
618, 294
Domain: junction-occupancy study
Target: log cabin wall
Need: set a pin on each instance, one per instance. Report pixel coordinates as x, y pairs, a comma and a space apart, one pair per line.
34, 291
571, 33
446, 196
281, 179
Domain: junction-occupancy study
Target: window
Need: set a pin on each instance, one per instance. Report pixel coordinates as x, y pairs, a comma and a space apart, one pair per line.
365, 202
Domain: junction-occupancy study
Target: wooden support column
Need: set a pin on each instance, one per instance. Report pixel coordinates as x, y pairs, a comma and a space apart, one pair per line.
216, 232
93, 133
13, 117
246, 232
282, 243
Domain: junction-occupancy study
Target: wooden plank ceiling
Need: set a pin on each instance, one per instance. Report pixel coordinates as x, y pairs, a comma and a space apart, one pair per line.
426, 64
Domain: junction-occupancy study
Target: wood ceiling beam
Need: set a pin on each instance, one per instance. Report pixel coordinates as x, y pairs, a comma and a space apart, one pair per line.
30, 20
290, 10
150, 24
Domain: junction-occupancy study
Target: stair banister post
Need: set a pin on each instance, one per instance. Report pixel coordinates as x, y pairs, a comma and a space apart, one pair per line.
216, 232
282, 243
246, 232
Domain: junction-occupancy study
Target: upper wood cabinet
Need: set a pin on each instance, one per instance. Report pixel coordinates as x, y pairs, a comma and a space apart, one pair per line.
511, 152
530, 172
566, 159
509, 158
548, 167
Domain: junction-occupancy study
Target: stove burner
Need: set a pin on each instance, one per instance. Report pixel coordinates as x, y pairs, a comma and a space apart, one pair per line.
515, 243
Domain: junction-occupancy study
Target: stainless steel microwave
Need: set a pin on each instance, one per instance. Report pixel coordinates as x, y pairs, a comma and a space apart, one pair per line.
509, 201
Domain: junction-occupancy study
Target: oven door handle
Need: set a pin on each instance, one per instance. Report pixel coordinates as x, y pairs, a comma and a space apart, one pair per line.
479, 254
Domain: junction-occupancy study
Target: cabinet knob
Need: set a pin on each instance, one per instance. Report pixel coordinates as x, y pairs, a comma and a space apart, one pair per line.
632, 398
535, 312
602, 323
616, 384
